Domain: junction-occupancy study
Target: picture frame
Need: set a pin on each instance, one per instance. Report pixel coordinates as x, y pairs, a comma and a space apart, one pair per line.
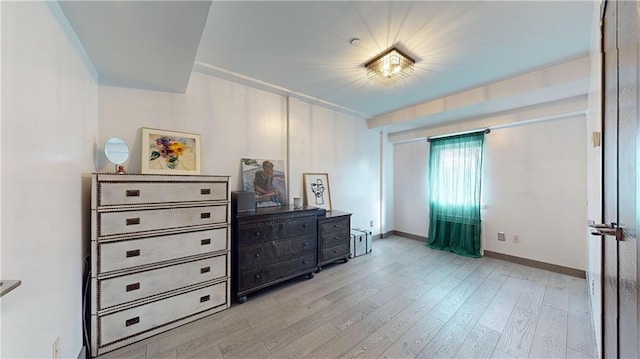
317, 192
266, 179
170, 152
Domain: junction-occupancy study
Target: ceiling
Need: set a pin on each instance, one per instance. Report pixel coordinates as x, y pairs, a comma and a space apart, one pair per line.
302, 48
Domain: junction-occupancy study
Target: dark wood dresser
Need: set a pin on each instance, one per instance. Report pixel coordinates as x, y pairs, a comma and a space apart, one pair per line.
271, 245
334, 234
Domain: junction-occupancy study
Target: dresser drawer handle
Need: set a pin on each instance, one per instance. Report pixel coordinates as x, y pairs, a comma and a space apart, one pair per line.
205, 215
335, 226
335, 251
257, 255
132, 221
205, 270
132, 321
305, 244
133, 253
257, 276
204, 191
205, 298
304, 262
204, 242
133, 193
134, 286
336, 237
257, 233
305, 225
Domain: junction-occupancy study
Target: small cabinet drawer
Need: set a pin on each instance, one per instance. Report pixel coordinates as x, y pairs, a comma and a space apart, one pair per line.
333, 238
335, 252
267, 253
335, 225
126, 323
112, 223
145, 251
132, 287
131, 193
261, 232
255, 278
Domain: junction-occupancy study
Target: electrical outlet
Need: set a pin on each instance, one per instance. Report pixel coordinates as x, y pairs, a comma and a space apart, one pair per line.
371, 223
501, 236
516, 238
56, 349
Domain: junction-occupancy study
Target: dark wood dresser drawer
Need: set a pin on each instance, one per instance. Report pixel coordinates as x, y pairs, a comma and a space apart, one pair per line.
274, 251
280, 270
249, 234
334, 235
330, 253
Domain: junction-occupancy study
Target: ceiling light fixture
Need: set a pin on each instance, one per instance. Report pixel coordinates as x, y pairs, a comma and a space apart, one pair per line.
390, 67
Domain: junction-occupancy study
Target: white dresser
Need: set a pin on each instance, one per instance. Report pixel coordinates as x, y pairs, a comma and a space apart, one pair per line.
159, 254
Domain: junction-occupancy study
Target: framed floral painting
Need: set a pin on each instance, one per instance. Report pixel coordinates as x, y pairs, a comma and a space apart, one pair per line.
170, 152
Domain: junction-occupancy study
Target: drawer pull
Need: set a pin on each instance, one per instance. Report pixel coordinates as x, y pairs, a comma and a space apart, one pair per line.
335, 237
204, 242
257, 276
335, 226
205, 298
205, 215
204, 191
335, 251
132, 221
132, 321
205, 270
133, 193
133, 253
305, 244
257, 233
257, 255
304, 262
134, 286
305, 225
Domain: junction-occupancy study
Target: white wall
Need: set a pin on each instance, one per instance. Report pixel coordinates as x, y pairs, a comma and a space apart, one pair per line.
237, 122
411, 187
49, 127
533, 186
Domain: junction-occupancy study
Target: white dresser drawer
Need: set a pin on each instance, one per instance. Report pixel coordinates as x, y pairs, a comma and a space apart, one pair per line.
123, 222
119, 290
131, 193
138, 252
126, 323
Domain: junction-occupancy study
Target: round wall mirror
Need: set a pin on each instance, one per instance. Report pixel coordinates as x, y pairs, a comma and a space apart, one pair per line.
116, 151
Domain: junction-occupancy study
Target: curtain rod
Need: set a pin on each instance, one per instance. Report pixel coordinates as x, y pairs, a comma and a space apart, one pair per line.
486, 130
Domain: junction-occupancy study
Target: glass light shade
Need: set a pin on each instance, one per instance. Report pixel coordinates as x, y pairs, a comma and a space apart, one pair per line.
390, 67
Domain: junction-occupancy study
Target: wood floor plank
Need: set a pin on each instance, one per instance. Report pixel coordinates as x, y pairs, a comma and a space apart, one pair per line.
256, 350
401, 300
371, 347
308, 343
580, 336
480, 343
497, 313
550, 338
397, 326
349, 338
393, 307
518, 334
450, 338
414, 339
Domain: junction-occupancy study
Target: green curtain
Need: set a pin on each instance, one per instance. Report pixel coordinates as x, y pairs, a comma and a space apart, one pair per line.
455, 173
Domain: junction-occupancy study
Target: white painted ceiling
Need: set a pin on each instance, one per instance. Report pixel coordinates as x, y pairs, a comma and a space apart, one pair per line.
302, 48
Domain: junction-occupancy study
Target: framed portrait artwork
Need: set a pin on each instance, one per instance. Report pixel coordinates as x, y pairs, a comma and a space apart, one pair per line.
170, 152
266, 179
316, 190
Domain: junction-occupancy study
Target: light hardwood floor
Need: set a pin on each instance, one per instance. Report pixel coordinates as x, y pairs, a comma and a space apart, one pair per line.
403, 300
